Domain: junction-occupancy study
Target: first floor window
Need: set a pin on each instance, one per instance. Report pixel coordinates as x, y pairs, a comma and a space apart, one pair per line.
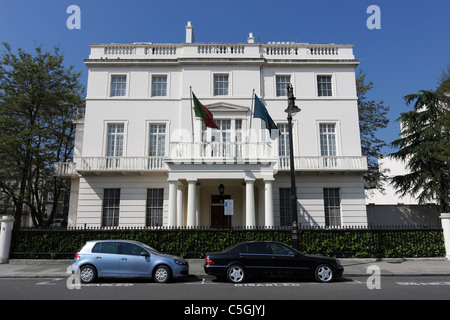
285, 207
224, 142
111, 206
114, 143
332, 203
283, 140
157, 140
328, 144
155, 202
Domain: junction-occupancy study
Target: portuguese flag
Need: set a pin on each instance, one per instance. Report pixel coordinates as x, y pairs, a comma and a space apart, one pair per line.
202, 112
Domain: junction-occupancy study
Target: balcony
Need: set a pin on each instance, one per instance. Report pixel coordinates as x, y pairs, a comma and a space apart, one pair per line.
203, 153
325, 164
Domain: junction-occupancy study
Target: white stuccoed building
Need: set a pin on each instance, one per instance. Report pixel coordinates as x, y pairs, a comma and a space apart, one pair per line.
142, 158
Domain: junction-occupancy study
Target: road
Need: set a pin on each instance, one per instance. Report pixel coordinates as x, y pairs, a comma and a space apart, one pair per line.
193, 288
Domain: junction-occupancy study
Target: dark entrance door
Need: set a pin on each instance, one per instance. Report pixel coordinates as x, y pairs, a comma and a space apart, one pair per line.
218, 219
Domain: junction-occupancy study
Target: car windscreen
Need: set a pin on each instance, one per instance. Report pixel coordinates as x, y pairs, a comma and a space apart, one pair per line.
150, 248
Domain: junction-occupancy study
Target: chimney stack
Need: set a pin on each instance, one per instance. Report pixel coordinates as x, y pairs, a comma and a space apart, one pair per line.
189, 33
251, 38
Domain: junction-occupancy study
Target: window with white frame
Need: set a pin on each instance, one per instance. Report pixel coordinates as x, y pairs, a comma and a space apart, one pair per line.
159, 86
285, 207
111, 207
224, 142
281, 85
332, 206
328, 144
324, 86
114, 142
327, 139
154, 212
118, 85
283, 140
157, 140
221, 84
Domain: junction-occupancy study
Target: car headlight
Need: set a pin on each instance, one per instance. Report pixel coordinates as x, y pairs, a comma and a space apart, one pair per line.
180, 262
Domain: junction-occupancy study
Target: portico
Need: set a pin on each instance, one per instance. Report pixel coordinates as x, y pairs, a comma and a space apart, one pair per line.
194, 199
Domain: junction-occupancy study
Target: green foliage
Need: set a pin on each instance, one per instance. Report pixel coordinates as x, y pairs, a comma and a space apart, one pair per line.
39, 97
195, 243
372, 117
424, 147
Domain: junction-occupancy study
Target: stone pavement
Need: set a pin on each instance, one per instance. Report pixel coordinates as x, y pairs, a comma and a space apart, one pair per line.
352, 267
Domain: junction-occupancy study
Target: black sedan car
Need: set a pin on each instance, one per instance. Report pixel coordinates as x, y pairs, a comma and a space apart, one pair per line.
269, 259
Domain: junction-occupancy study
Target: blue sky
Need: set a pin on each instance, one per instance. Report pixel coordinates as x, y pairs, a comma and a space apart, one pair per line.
407, 54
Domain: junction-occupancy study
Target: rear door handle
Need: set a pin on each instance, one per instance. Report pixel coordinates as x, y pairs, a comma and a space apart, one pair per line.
123, 259
98, 257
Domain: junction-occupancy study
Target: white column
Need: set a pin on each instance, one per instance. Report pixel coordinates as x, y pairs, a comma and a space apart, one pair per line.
445, 221
179, 222
244, 205
197, 205
249, 203
7, 223
191, 203
171, 222
268, 203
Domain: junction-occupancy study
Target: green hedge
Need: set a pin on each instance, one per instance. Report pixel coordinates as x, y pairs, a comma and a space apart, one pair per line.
194, 243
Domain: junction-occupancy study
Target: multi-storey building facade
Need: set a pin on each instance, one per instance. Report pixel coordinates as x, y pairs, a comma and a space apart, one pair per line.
142, 157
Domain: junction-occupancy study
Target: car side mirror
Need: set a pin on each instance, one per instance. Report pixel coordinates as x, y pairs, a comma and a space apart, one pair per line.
145, 254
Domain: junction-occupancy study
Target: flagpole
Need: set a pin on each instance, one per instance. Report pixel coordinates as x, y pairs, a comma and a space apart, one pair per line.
251, 115
192, 117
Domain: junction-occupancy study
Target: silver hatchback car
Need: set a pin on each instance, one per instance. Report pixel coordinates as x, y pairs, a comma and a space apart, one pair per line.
125, 258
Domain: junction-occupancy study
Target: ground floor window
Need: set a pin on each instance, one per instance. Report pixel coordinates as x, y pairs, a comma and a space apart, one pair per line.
332, 203
111, 207
155, 201
285, 207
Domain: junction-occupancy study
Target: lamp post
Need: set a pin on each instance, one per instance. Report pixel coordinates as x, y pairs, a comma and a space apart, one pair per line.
292, 110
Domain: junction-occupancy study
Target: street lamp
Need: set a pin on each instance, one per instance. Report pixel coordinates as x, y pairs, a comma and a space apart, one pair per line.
292, 110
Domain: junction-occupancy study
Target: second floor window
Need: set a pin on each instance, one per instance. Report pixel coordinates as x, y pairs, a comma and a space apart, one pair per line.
281, 83
118, 86
324, 86
220, 84
159, 86
157, 140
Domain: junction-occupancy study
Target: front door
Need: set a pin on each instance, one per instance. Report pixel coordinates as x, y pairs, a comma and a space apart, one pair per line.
218, 218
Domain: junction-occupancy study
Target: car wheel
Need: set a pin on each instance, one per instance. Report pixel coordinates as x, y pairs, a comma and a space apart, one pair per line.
324, 273
88, 274
162, 274
236, 273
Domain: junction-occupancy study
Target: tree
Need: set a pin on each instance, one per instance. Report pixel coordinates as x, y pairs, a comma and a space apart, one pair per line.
38, 100
372, 117
424, 147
